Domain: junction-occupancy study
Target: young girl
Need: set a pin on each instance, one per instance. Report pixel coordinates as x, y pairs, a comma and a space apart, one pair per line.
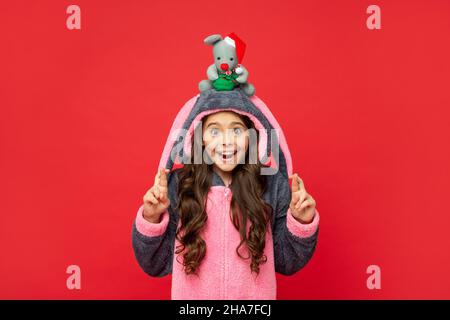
220, 226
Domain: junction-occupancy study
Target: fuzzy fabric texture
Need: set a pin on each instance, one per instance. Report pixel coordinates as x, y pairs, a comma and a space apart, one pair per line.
223, 274
177, 147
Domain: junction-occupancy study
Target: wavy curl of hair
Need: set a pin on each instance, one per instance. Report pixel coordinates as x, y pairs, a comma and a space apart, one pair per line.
247, 205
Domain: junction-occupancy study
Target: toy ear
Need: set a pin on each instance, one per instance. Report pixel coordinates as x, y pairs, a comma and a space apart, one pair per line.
212, 39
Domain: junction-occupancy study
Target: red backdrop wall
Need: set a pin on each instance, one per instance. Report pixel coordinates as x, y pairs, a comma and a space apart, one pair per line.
85, 114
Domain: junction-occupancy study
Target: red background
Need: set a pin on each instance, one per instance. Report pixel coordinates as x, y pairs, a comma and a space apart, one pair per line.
85, 114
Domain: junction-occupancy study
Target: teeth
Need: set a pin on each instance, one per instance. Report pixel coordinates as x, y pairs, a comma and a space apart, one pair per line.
227, 155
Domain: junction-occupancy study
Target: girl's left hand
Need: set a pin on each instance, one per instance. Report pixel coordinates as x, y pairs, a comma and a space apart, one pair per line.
302, 205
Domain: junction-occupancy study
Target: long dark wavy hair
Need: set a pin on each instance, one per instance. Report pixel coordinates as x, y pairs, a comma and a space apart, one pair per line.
247, 204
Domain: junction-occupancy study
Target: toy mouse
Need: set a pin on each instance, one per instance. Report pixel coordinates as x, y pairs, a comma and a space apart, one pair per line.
226, 72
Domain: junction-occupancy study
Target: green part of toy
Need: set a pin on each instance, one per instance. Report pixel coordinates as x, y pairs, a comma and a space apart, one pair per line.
225, 83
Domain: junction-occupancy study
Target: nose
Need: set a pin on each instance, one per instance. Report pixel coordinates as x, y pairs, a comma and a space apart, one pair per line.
224, 66
228, 138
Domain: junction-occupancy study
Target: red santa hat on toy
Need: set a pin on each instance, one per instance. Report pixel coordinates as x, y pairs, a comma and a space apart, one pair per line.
233, 40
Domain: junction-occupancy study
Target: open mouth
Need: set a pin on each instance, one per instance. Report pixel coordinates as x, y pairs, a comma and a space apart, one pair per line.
227, 156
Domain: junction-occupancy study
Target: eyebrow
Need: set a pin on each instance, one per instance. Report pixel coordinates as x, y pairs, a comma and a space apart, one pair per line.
239, 123
232, 123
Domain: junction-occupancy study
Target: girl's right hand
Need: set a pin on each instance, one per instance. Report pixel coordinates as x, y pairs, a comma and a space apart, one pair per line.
156, 200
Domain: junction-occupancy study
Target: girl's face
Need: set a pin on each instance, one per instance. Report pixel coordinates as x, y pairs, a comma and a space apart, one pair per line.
225, 138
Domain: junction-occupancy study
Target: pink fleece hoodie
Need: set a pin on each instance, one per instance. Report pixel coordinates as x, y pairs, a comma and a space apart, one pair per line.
222, 273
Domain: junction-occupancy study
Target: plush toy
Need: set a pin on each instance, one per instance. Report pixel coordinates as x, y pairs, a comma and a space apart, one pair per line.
226, 72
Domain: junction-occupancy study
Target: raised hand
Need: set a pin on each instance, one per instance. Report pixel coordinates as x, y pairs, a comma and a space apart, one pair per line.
302, 204
156, 200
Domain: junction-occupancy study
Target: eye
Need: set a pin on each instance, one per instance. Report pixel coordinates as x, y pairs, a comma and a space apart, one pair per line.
214, 132
231, 59
237, 131
218, 58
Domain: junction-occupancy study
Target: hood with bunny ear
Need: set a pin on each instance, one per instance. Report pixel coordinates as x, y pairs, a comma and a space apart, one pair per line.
272, 146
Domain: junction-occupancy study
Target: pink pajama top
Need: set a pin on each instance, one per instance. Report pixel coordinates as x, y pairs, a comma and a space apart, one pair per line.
222, 274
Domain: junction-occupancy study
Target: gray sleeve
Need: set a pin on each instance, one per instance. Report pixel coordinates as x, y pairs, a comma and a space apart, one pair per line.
155, 254
291, 253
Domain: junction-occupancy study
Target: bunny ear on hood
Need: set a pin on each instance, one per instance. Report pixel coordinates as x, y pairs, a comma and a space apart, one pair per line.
272, 146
